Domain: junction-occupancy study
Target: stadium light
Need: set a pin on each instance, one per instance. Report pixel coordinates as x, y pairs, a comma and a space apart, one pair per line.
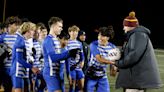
4, 10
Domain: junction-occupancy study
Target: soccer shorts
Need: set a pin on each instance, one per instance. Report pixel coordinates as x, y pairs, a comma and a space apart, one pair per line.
102, 85
19, 82
77, 74
53, 82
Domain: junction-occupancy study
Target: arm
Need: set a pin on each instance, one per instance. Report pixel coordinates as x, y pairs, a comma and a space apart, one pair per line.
96, 54
58, 57
82, 57
82, 64
19, 56
102, 60
49, 46
88, 53
136, 48
81, 53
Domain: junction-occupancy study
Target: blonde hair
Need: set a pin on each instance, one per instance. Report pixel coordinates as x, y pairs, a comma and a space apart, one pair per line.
26, 26
73, 28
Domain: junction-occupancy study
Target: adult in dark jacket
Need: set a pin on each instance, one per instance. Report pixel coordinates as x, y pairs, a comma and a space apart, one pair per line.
82, 39
138, 69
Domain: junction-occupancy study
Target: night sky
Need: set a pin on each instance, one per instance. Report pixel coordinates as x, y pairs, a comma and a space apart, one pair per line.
91, 15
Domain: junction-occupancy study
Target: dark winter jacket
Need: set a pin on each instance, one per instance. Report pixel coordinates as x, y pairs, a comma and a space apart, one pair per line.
86, 55
138, 65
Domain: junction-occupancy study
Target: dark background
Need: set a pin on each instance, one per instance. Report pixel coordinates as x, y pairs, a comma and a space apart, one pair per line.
91, 14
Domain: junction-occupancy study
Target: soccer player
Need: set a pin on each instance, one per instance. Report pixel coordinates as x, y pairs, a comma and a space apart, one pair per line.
99, 59
42, 31
20, 64
8, 38
52, 55
39, 84
64, 37
76, 75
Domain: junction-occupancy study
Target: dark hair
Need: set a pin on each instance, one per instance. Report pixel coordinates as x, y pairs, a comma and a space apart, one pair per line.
41, 25
2, 25
12, 20
64, 35
54, 20
107, 31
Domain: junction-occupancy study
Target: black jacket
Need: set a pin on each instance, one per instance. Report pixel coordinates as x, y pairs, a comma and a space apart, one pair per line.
138, 66
86, 55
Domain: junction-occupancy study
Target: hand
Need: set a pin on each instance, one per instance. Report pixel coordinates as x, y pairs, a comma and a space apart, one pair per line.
113, 70
9, 50
35, 70
73, 52
112, 62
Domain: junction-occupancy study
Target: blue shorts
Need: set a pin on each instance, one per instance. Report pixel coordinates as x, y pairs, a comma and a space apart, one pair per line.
19, 82
102, 85
77, 74
53, 82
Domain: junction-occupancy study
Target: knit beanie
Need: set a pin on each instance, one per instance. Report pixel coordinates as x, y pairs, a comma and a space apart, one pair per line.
131, 20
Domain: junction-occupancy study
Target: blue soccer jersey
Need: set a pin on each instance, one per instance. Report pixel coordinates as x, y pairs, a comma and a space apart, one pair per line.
97, 49
20, 66
52, 58
102, 83
73, 44
37, 51
52, 55
9, 40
